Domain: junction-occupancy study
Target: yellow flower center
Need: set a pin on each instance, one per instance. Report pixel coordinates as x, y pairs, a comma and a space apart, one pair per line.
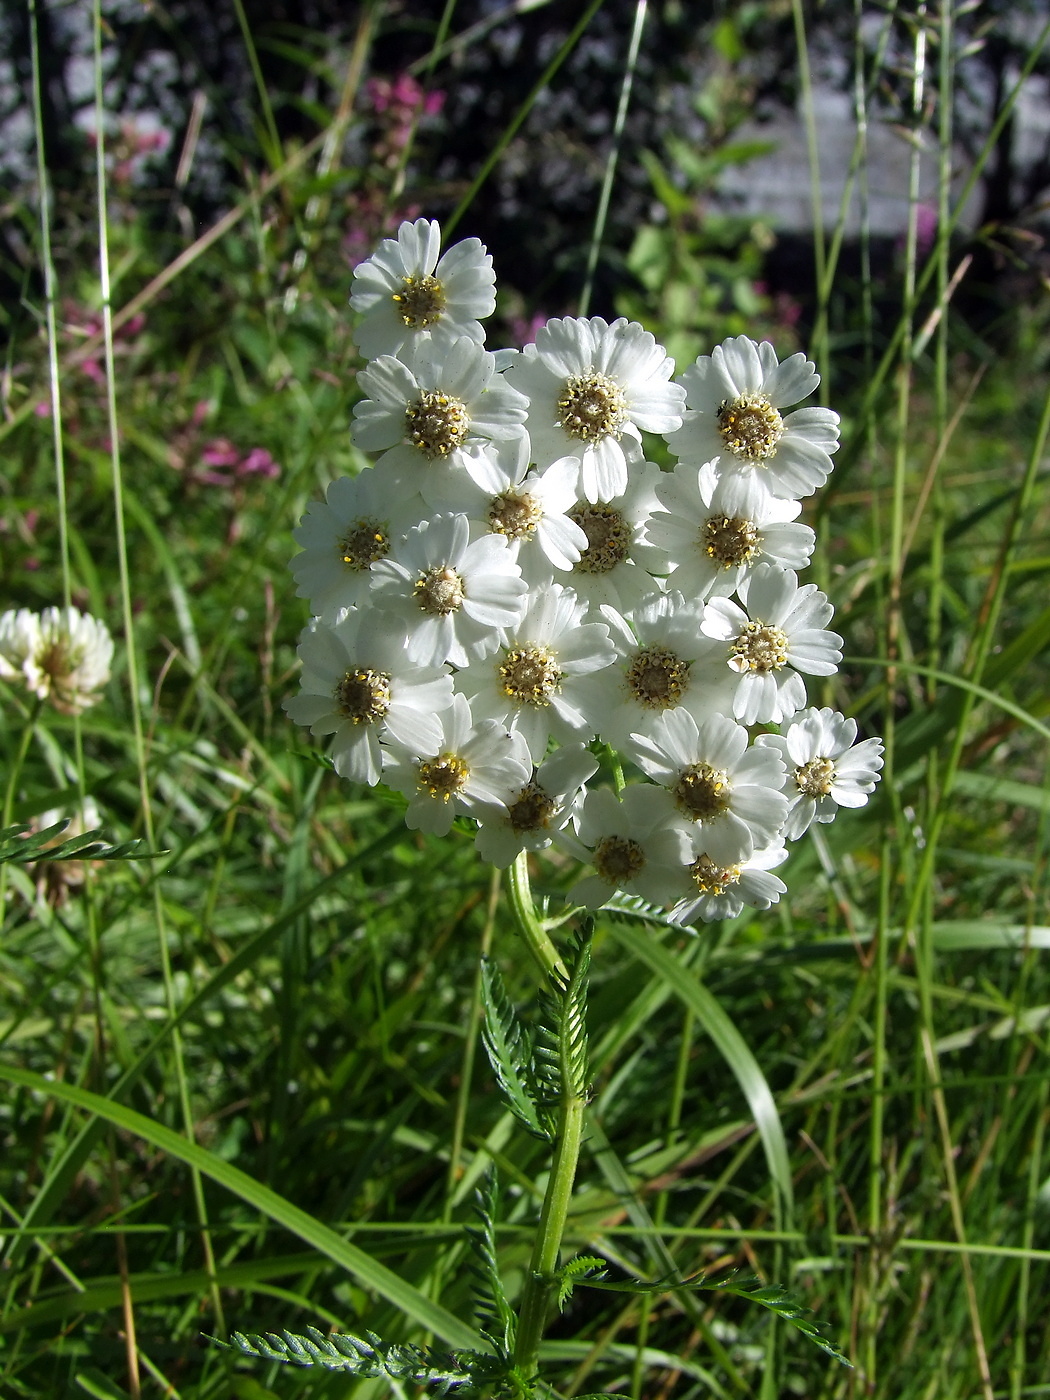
657, 678
729, 540
364, 543
592, 407
436, 423
814, 778
759, 648
710, 878
617, 859
442, 777
363, 696
750, 426
702, 792
514, 515
531, 810
439, 591
420, 302
529, 675
608, 534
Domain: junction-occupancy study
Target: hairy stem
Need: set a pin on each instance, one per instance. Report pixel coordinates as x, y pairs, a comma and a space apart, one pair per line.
537, 939
542, 1278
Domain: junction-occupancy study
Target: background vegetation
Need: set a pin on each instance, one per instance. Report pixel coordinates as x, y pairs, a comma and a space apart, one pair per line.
289, 994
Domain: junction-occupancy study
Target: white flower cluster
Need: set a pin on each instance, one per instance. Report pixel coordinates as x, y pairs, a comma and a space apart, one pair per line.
60, 655
512, 581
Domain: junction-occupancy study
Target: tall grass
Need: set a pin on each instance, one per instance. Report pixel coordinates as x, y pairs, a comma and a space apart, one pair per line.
245, 1087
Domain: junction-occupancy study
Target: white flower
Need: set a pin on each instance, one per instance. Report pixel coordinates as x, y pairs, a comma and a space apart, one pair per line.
780, 634
454, 596
534, 683
433, 405
735, 396
721, 891
727, 795
662, 661
620, 566
344, 535
468, 770
632, 844
63, 655
715, 527
360, 686
827, 768
591, 387
541, 807
19, 641
528, 508
403, 290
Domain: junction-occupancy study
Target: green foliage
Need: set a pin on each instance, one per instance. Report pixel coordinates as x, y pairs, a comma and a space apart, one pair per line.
561, 1032
773, 1296
24, 846
370, 1358
578, 1270
509, 1048
495, 1315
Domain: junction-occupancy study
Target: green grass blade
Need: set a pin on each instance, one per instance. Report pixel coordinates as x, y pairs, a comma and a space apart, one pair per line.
732, 1046
368, 1271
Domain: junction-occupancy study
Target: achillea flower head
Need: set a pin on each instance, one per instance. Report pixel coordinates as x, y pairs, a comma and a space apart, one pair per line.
405, 290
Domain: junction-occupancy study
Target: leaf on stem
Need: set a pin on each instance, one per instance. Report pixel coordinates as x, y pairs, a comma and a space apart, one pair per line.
444, 1371
509, 1048
773, 1296
496, 1319
21, 845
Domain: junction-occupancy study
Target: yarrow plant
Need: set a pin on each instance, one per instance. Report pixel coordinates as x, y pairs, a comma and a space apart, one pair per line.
513, 554
513, 609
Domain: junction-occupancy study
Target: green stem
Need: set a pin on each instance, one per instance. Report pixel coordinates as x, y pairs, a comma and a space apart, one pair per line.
542, 1278
537, 939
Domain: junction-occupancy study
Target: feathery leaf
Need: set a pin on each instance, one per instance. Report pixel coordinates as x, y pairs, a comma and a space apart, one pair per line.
510, 1053
496, 1319
444, 1371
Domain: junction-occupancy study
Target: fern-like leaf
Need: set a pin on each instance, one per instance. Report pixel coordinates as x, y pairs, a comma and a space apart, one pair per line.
371, 1358
496, 1319
561, 1035
773, 1296
510, 1053
21, 845
579, 1270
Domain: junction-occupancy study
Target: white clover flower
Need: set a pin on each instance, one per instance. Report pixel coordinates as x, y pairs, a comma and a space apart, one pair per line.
63, 655
735, 396
528, 508
541, 807
591, 387
534, 683
19, 643
403, 290
827, 769
360, 686
727, 796
721, 891
620, 566
780, 634
344, 535
455, 597
432, 406
631, 843
662, 661
471, 768
714, 527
